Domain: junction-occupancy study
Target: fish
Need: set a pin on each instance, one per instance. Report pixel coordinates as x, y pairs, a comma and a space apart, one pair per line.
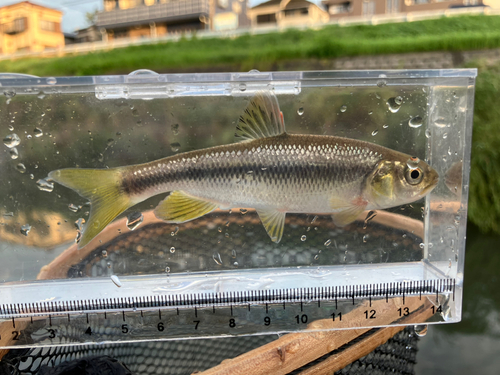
268, 170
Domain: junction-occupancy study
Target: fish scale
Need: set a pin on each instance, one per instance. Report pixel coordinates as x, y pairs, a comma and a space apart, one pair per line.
264, 172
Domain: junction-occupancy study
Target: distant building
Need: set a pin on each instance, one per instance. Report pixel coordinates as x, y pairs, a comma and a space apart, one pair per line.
287, 13
359, 8
152, 18
29, 27
88, 35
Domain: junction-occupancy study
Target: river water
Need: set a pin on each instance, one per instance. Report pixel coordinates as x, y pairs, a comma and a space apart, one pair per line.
473, 345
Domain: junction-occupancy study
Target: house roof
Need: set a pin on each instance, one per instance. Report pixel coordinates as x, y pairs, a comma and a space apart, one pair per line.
268, 3
292, 4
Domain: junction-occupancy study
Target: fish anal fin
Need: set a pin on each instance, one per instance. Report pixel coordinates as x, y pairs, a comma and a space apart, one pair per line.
180, 207
261, 119
274, 223
347, 211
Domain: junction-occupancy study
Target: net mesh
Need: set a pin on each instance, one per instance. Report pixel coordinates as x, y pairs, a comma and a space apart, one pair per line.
396, 356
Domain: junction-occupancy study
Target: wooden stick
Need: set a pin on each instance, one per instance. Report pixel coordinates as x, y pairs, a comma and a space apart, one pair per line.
295, 350
338, 361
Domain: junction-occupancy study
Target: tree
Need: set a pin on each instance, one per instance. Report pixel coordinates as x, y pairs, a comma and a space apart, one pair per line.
91, 17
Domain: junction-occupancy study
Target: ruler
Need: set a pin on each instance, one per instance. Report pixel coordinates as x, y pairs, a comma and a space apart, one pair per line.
225, 314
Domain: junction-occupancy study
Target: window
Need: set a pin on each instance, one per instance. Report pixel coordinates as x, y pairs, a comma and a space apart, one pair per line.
296, 12
47, 25
392, 6
15, 27
368, 8
340, 8
266, 18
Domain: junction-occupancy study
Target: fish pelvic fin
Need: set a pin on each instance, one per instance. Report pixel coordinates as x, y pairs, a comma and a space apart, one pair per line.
274, 223
347, 211
102, 187
261, 119
180, 207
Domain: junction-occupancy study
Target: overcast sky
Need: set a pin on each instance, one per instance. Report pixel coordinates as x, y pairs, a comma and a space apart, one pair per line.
74, 10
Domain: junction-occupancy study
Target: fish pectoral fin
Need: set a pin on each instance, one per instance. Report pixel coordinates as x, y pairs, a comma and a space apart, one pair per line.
347, 211
262, 118
342, 218
180, 207
274, 222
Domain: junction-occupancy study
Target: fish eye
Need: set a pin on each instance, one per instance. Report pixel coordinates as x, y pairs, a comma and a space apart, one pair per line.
413, 175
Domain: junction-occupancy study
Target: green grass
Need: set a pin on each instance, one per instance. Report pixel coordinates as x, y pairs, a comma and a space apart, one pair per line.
262, 51
484, 196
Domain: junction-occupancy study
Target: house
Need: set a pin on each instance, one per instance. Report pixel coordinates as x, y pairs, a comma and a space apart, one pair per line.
287, 13
29, 27
153, 18
359, 8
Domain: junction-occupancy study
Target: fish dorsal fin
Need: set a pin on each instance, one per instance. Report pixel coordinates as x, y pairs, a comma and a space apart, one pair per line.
262, 118
180, 207
274, 222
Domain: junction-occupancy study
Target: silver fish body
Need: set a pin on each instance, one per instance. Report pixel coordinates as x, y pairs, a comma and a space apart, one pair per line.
290, 173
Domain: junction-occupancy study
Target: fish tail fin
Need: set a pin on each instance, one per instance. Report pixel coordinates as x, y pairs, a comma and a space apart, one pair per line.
102, 187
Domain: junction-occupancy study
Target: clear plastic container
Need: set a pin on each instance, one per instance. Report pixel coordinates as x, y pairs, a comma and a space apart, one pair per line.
110, 121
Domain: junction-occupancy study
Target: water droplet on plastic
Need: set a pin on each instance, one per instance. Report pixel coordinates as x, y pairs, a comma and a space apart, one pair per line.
382, 83
25, 229
445, 135
441, 122
110, 142
28, 136
328, 242
44, 185
21, 168
116, 281
243, 211
108, 264
14, 154
243, 87
233, 253
135, 112
416, 122
316, 257
12, 140
428, 133
104, 254
385, 126
73, 207
421, 245
300, 111
365, 238
172, 250
343, 108
420, 330
175, 129
51, 81
303, 238
175, 146
374, 133
134, 220
394, 104
176, 230
9, 94
38, 132
217, 259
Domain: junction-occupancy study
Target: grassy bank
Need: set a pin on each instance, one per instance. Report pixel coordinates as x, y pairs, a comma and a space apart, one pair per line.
484, 197
263, 51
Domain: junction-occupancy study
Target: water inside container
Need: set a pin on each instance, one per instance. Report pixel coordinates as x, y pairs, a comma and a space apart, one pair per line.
107, 122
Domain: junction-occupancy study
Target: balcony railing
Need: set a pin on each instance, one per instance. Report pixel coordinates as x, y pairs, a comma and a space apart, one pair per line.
15, 27
173, 10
